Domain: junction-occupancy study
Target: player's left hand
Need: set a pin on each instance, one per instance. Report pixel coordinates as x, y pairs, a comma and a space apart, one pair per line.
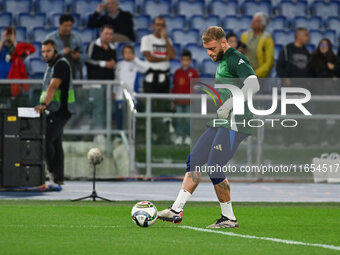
223, 112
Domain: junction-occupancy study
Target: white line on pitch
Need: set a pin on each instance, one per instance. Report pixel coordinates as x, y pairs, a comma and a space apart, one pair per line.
58, 226
326, 246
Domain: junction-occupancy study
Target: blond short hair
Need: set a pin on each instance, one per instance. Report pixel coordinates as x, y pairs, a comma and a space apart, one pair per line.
213, 33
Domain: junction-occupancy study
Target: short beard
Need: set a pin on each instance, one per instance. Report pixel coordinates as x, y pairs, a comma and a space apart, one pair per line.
219, 56
51, 61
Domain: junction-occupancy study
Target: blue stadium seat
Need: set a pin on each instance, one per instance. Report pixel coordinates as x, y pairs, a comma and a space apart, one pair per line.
277, 49
334, 24
137, 51
21, 33
335, 49
325, 9
331, 35
54, 19
185, 36
208, 67
178, 21
222, 8
141, 32
178, 48
142, 21
38, 34
29, 21
156, 8
291, 9
51, 6
309, 23
201, 23
278, 22
188, 9
85, 8
6, 19
237, 23
85, 45
310, 47
283, 37
127, 5
37, 68
17, 6
174, 65
315, 37
37, 53
250, 7
198, 52
87, 35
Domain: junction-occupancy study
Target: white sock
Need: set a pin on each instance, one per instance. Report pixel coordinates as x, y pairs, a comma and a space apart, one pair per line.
227, 210
182, 198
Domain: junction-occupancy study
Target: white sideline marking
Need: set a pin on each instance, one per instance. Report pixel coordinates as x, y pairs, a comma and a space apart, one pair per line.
58, 226
326, 246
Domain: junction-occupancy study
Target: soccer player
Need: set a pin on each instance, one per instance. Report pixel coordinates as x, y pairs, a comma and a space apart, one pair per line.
218, 143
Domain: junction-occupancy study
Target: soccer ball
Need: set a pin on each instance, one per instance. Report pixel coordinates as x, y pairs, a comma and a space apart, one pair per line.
144, 214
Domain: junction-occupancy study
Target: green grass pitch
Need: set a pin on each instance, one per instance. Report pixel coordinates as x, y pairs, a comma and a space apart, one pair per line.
62, 227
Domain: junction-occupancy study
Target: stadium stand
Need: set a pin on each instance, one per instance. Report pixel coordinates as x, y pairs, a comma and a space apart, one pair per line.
142, 21
185, 36
201, 23
186, 20
250, 7
30, 21
127, 5
156, 8
176, 22
6, 19
189, 9
218, 8
50, 6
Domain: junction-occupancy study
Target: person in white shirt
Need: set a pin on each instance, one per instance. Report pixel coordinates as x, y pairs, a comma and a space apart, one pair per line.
157, 49
126, 72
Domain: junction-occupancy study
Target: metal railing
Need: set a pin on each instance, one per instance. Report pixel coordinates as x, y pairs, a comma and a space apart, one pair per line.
149, 115
129, 134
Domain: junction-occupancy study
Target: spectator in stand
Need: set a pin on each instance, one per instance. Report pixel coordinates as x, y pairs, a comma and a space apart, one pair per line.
69, 45
127, 71
294, 57
324, 63
121, 21
12, 66
260, 45
157, 49
181, 83
101, 63
232, 39
235, 43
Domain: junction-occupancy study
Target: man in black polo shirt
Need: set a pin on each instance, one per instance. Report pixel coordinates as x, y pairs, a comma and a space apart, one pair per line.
57, 97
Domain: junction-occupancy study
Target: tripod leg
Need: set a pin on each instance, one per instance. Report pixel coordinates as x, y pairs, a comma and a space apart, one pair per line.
104, 199
81, 198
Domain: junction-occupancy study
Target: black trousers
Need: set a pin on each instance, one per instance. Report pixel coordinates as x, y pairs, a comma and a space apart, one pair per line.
54, 148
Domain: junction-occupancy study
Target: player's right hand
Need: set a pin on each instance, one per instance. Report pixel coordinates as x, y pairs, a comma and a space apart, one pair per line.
223, 112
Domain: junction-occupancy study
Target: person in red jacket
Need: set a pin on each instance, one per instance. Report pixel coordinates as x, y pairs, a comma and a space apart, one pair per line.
181, 85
